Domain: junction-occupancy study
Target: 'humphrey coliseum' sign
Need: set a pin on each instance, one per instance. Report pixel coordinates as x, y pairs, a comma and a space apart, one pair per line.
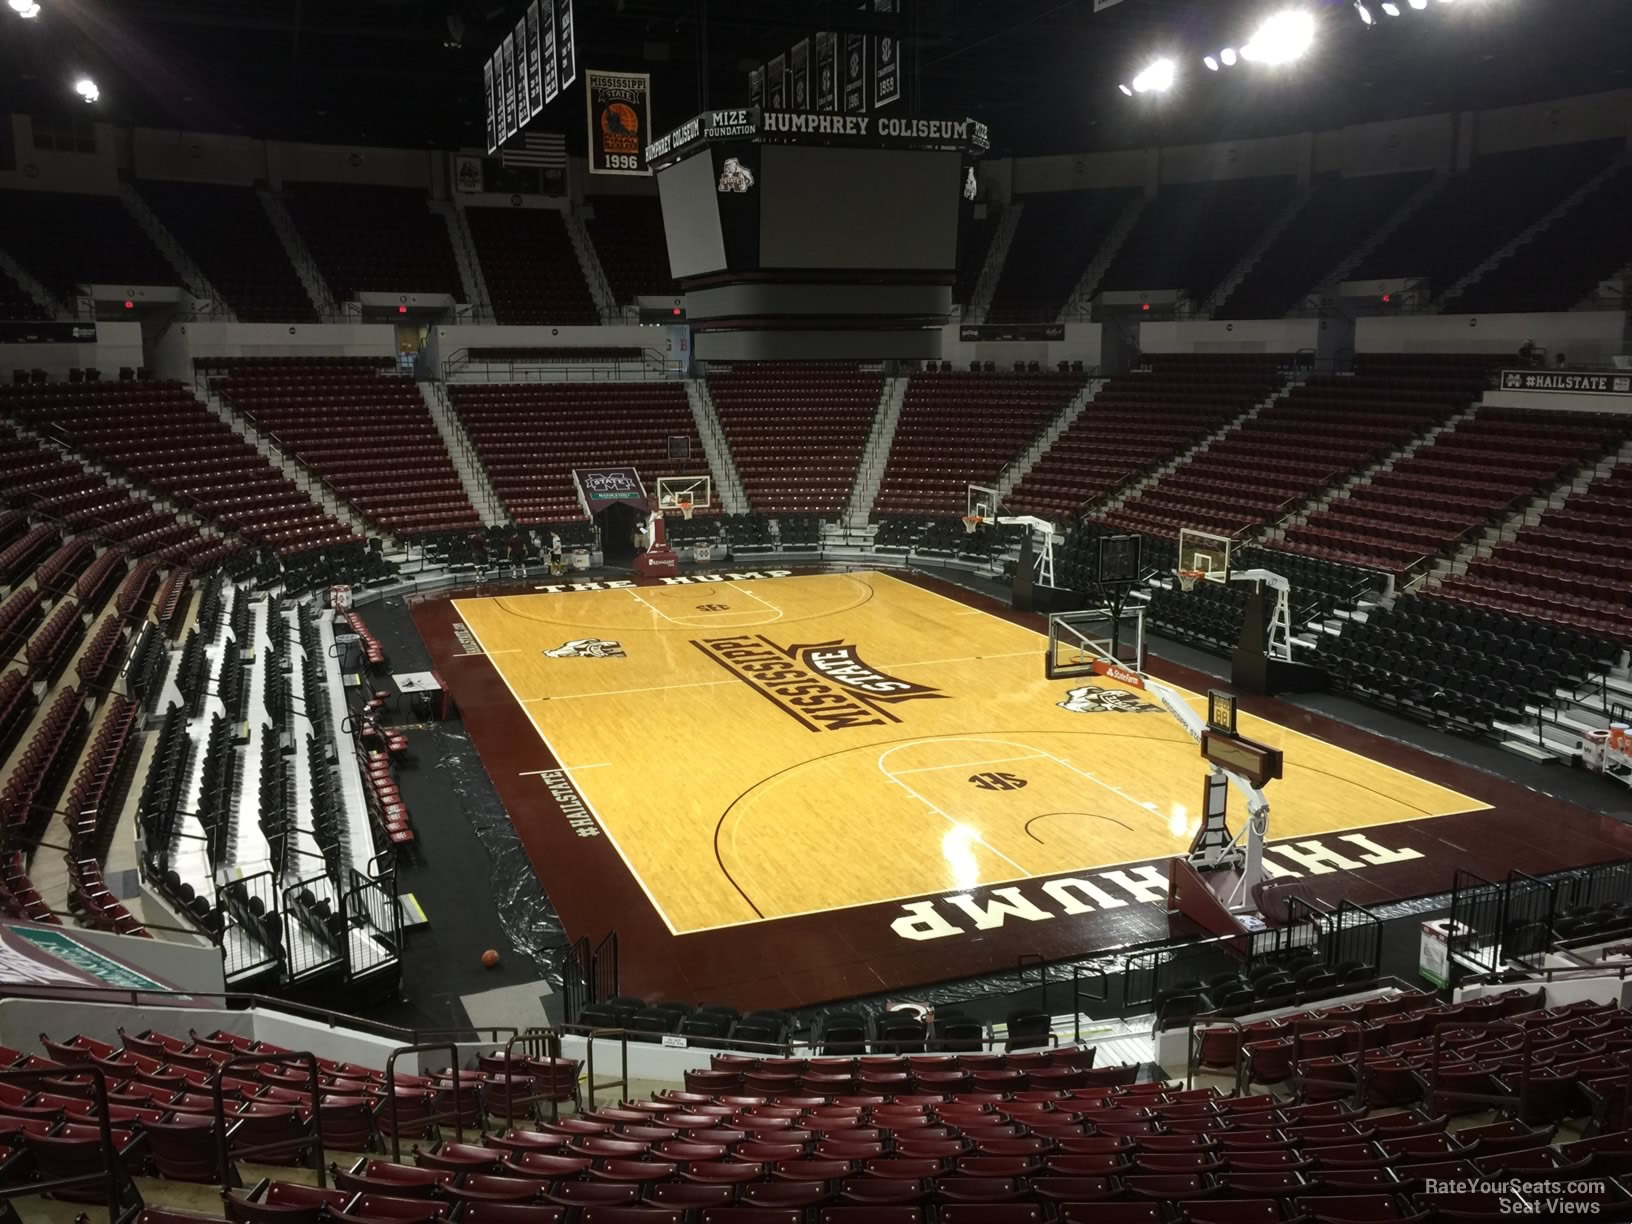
872, 131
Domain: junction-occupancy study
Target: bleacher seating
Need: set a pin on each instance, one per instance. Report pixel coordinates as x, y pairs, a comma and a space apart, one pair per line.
632, 246
1322, 430
157, 433
1340, 214
962, 429
531, 436
15, 304
78, 240
1565, 263
1192, 234
797, 430
1139, 421
1465, 479
374, 239
229, 235
1058, 235
1568, 569
531, 270
1481, 210
1211, 615
1443, 660
366, 433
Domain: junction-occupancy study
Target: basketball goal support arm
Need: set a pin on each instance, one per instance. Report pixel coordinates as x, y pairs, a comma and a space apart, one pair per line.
1257, 803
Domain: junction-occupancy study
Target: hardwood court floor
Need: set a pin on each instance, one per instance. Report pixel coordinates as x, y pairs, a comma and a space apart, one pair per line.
768, 748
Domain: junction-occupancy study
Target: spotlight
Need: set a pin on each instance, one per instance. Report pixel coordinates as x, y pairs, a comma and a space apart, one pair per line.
1419, 4
1281, 39
26, 9
1227, 57
1158, 78
1365, 13
86, 88
1393, 10
1212, 64
1126, 90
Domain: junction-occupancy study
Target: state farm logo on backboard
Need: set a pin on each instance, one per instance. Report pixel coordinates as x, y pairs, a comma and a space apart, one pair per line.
824, 686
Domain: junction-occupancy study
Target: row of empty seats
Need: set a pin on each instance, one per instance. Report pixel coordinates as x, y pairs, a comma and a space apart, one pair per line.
797, 430
367, 433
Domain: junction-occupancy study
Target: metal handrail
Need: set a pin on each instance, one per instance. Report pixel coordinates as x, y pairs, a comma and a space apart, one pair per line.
224, 1154
430, 1119
137, 996
589, 1060
113, 1165
1485, 1100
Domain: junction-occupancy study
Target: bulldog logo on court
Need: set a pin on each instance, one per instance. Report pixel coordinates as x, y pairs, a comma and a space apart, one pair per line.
587, 648
823, 686
1089, 700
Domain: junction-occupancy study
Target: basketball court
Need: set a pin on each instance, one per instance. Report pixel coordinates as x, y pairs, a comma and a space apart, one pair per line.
833, 740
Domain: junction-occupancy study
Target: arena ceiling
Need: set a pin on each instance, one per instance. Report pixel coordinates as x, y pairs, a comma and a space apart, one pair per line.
1042, 73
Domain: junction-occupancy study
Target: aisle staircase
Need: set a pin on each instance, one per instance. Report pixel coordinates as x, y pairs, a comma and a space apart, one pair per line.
728, 491
294, 246
462, 451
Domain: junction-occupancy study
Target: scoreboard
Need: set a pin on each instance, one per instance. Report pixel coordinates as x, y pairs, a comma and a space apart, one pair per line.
535, 63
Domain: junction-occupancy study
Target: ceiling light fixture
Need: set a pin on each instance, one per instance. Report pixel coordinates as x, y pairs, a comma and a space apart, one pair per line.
1212, 64
1365, 13
86, 89
1227, 57
1126, 90
1157, 78
1282, 39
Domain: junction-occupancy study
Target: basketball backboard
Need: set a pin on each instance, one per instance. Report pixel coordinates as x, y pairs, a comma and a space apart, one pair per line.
674, 492
1205, 554
1080, 643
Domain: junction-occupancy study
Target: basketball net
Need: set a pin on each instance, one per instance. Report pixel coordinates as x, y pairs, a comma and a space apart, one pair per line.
972, 521
686, 506
1188, 579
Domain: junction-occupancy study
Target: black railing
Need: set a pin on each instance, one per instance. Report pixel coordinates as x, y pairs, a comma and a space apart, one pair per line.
1476, 922
1527, 918
309, 1144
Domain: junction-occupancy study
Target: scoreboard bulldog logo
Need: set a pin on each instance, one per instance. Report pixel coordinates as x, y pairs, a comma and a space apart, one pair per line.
735, 177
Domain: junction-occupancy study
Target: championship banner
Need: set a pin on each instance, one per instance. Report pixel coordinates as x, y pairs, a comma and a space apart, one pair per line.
886, 62
827, 76
467, 173
800, 75
546, 53
525, 107
776, 85
535, 66
487, 93
620, 120
507, 56
566, 48
756, 86
855, 74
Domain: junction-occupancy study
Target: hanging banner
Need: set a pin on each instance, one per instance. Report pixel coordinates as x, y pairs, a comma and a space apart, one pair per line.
535, 65
886, 62
827, 77
800, 75
467, 173
566, 47
620, 120
776, 83
547, 60
524, 84
855, 74
492, 119
507, 56
756, 86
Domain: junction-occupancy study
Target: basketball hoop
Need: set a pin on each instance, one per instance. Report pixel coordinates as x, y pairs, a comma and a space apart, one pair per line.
971, 522
1188, 579
686, 506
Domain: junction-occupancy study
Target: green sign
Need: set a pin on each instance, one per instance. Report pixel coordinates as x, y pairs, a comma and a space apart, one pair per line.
88, 960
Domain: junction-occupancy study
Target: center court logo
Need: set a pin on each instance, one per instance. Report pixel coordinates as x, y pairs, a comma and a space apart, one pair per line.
824, 686
1089, 700
587, 648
